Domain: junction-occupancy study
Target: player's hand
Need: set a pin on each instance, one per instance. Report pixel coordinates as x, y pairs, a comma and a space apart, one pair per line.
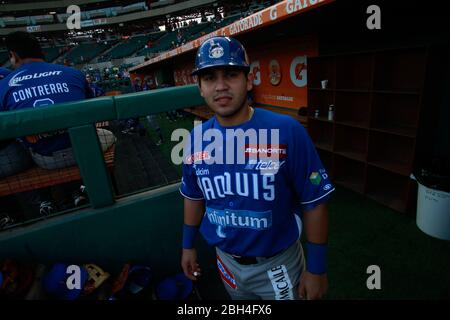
312, 286
189, 264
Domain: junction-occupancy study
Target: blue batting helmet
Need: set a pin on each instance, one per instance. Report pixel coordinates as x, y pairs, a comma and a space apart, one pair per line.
220, 52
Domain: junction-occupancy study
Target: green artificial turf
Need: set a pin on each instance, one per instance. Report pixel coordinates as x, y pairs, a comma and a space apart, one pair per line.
362, 233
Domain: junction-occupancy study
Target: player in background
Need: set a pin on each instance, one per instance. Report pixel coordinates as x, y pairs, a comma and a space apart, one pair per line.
14, 158
247, 211
35, 83
152, 119
133, 125
95, 88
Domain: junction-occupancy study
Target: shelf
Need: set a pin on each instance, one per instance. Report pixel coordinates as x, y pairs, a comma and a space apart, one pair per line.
353, 108
319, 100
324, 69
353, 124
400, 70
388, 188
321, 134
358, 156
324, 146
370, 144
356, 186
414, 92
351, 142
322, 119
394, 167
320, 89
403, 132
354, 72
349, 173
393, 110
353, 90
391, 152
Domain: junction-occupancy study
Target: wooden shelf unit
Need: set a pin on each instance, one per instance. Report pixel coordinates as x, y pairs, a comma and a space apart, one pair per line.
370, 145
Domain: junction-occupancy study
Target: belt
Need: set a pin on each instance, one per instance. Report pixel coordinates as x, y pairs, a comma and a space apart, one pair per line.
244, 260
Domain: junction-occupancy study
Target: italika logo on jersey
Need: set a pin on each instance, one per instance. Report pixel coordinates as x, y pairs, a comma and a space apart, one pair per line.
266, 151
198, 156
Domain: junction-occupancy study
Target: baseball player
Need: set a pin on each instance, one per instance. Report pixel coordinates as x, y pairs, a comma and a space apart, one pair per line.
95, 88
37, 84
254, 212
13, 156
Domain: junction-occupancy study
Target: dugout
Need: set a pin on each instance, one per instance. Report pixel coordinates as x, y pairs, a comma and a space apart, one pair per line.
144, 227
388, 86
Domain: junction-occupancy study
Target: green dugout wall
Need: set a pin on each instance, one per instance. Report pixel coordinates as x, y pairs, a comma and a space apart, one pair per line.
143, 227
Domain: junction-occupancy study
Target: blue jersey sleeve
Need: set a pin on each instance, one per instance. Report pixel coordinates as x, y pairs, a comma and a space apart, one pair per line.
189, 183
311, 181
190, 187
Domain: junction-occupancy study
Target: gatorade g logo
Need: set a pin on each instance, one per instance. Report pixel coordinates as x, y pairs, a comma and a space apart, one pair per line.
298, 71
315, 178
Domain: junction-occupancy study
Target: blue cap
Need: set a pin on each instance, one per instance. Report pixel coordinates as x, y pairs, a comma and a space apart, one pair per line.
139, 277
177, 287
4, 72
54, 282
220, 52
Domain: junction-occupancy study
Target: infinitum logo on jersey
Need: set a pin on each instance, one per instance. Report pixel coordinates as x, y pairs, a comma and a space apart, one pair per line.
198, 156
266, 151
256, 220
14, 81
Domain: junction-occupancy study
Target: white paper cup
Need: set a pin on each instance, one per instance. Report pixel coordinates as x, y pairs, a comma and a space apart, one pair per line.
324, 84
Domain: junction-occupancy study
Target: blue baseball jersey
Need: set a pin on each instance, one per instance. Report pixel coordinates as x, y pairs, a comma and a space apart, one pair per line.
4, 72
97, 91
39, 84
251, 205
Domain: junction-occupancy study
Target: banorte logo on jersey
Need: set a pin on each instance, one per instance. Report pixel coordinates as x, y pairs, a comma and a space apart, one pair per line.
266, 151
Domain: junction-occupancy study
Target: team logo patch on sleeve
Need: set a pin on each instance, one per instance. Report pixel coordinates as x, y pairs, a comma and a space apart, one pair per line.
226, 274
315, 178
